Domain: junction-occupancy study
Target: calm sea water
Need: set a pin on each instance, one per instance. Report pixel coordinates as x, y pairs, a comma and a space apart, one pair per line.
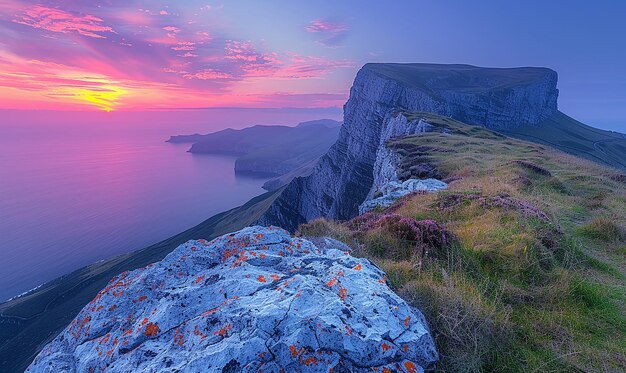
77, 190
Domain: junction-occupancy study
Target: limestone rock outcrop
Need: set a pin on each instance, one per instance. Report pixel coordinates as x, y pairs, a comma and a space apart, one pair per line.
394, 190
254, 300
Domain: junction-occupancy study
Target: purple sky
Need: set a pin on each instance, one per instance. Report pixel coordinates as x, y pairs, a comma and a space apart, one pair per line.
143, 55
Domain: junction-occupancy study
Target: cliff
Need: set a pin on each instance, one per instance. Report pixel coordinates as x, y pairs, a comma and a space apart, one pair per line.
246, 301
343, 178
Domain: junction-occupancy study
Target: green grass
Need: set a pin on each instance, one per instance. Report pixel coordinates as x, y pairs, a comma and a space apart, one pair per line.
517, 290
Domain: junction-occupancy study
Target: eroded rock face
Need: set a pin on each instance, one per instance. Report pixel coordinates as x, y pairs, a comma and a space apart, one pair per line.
343, 178
255, 300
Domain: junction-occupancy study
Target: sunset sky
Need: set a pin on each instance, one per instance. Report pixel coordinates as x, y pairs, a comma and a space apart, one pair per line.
145, 55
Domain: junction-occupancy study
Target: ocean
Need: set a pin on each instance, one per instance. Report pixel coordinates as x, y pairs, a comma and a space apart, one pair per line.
76, 189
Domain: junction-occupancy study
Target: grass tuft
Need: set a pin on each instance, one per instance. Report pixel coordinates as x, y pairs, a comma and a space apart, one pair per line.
603, 229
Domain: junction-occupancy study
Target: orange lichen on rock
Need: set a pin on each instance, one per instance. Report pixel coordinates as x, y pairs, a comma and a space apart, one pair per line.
410, 367
261, 278
407, 321
295, 351
358, 267
113, 307
200, 278
76, 333
343, 293
151, 330
178, 337
275, 277
228, 253
144, 321
105, 339
224, 330
332, 282
385, 347
240, 259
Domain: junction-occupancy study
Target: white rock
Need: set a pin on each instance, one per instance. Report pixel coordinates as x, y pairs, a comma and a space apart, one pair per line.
394, 190
253, 300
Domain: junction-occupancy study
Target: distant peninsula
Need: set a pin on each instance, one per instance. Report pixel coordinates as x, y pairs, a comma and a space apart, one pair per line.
282, 152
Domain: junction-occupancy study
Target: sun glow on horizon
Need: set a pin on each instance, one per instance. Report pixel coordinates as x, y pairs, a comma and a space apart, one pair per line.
105, 97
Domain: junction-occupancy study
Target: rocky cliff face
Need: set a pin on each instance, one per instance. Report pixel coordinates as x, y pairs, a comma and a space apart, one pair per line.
343, 178
255, 300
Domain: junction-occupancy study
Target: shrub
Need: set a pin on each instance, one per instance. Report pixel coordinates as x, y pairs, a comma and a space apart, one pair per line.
402, 238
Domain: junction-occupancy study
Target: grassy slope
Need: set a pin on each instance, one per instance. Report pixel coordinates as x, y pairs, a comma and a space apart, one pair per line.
29, 322
571, 136
515, 292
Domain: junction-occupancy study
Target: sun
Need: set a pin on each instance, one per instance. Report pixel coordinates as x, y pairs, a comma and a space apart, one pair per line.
105, 97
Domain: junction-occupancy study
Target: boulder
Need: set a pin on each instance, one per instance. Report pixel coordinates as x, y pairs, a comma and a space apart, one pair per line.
254, 300
394, 190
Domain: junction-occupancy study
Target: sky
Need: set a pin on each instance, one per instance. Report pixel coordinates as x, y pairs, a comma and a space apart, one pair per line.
134, 55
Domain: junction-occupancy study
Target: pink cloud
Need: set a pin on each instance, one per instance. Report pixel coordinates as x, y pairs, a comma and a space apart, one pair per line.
207, 74
319, 25
151, 58
173, 29
332, 33
56, 20
185, 46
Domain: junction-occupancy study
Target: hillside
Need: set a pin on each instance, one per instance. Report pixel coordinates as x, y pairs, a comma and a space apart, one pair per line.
571, 136
531, 272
